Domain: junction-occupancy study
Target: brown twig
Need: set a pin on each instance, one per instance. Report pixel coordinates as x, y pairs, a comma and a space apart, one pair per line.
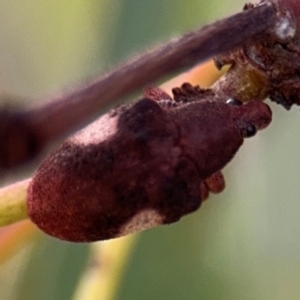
24, 134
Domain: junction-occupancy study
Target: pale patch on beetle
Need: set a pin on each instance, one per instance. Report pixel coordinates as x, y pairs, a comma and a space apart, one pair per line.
145, 219
285, 28
108, 125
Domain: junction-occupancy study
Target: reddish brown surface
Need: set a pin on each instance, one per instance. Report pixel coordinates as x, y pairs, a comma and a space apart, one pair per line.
138, 156
214, 184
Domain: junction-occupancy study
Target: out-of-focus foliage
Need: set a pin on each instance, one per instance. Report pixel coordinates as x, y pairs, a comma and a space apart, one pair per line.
243, 244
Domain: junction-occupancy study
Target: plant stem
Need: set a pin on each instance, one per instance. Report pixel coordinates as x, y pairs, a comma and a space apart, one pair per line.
13, 203
108, 260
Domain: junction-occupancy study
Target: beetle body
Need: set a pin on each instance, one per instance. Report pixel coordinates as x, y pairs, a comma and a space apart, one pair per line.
137, 167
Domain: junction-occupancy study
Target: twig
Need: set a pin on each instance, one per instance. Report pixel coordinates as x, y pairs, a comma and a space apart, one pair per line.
35, 128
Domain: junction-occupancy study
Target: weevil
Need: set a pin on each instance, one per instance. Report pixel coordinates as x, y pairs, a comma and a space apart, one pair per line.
153, 161
140, 165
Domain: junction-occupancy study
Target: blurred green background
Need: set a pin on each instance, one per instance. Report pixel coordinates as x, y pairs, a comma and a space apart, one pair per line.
242, 244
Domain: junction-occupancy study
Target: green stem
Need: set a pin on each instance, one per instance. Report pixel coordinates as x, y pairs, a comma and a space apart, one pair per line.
107, 263
13, 203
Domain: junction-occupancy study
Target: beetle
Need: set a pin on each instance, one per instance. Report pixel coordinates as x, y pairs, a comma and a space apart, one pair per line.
140, 165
